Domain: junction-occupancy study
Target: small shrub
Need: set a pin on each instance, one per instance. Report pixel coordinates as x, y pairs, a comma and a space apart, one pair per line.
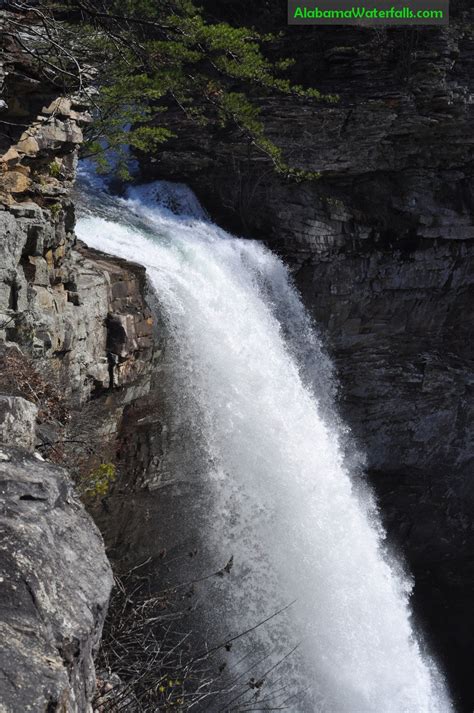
55, 210
151, 658
54, 169
98, 483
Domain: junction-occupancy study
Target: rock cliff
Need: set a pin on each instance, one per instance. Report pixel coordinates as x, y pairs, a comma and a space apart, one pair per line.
56, 583
75, 331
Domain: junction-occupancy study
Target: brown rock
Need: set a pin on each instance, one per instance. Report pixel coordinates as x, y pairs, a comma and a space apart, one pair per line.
60, 106
14, 182
11, 156
28, 145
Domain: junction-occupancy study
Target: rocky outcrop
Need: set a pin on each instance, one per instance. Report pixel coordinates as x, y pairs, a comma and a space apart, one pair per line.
55, 578
75, 347
381, 248
55, 581
80, 315
40, 130
18, 422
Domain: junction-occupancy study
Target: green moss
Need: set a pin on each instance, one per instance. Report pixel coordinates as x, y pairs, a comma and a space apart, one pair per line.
54, 169
98, 482
55, 210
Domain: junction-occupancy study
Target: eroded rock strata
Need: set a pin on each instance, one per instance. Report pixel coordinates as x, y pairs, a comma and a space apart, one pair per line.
75, 330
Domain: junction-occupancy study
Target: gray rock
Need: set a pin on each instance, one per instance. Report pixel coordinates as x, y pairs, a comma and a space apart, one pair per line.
55, 582
17, 422
56, 298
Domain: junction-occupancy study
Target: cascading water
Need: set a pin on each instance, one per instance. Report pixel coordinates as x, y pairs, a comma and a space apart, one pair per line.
277, 492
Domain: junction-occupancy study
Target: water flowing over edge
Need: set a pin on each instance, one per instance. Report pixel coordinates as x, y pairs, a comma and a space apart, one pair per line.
274, 487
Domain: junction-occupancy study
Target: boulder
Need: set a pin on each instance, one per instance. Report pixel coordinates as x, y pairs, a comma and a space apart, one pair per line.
56, 582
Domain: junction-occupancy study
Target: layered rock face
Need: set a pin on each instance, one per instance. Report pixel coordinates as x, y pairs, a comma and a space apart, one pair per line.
81, 315
381, 248
75, 347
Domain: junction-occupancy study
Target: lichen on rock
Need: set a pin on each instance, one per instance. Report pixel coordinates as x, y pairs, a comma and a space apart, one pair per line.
55, 581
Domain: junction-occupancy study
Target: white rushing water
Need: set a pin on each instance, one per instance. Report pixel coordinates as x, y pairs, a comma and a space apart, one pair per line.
280, 497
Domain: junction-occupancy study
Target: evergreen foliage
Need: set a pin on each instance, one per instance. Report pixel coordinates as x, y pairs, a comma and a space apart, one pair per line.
151, 54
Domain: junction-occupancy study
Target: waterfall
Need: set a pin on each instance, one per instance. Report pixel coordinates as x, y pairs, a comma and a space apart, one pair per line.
274, 487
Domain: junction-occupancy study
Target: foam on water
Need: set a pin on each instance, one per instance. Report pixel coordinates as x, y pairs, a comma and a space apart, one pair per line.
281, 497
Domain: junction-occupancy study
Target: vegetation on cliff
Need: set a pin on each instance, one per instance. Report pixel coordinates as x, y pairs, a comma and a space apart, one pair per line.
135, 58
